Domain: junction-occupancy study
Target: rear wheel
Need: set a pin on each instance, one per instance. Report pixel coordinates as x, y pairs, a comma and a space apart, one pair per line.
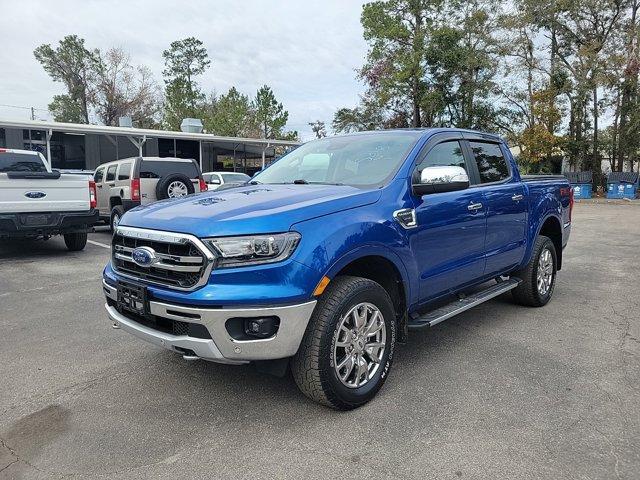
539, 276
347, 350
75, 241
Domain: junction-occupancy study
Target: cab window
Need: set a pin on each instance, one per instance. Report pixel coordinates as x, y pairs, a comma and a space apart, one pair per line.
97, 177
492, 166
444, 155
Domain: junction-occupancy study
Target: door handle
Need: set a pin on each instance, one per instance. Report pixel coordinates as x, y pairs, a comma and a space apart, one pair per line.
517, 198
474, 206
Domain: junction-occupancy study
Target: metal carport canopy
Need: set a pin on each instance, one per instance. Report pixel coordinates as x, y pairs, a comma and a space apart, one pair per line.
139, 135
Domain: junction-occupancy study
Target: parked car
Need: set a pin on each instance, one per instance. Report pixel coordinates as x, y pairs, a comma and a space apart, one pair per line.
217, 180
328, 257
124, 184
36, 202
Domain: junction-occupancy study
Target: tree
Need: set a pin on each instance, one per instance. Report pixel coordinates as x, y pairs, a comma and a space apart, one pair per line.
270, 115
462, 64
124, 90
397, 33
231, 115
364, 117
76, 67
184, 60
318, 128
584, 27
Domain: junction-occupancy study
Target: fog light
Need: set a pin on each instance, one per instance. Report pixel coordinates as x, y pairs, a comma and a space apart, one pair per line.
263, 327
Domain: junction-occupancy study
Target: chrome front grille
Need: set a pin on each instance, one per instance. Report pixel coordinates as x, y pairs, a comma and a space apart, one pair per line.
181, 261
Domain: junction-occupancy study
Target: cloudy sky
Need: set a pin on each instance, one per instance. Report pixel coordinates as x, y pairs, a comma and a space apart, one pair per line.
306, 51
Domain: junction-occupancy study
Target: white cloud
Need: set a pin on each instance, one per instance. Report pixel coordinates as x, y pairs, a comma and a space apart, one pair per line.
306, 51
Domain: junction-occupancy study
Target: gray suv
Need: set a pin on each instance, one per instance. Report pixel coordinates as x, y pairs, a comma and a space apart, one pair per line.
124, 184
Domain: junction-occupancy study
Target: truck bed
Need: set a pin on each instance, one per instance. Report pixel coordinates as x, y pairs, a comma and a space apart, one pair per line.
534, 178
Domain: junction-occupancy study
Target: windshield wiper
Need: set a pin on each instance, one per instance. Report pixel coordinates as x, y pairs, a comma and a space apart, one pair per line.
300, 181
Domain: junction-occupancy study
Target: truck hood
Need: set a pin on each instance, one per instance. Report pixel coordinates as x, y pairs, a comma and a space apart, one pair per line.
248, 209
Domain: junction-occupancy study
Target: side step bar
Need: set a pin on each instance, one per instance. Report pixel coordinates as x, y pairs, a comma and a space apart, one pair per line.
458, 306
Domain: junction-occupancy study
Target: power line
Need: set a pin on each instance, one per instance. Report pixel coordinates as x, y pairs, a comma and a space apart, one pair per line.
23, 107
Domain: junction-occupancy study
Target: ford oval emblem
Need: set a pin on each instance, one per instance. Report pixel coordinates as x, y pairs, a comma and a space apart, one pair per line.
144, 256
35, 194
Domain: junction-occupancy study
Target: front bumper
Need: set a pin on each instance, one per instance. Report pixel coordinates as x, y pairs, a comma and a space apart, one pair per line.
47, 223
221, 347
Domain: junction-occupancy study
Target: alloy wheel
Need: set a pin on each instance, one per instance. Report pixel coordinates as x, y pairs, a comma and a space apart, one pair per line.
177, 189
359, 345
545, 272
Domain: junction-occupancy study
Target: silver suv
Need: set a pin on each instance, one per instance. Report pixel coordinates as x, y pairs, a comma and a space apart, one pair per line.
124, 184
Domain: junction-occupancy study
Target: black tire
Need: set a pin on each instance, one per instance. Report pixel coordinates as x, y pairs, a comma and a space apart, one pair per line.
527, 293
75, 241
115, 217
162, 188
313, 365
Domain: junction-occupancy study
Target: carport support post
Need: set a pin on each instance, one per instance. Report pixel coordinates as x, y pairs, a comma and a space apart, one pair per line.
200, 152
263, 152
138, 143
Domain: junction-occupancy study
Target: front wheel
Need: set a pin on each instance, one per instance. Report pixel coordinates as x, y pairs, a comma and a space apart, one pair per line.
539, 276
347, 350
75, 241
116, 215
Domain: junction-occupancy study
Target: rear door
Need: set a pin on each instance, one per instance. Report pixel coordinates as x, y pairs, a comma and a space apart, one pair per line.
506, 202
448, 242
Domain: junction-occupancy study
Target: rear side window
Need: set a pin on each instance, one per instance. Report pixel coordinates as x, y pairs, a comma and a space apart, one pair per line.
125, 171
161, 168
492, 165
111, 173
20, 162
98, 176
444, 154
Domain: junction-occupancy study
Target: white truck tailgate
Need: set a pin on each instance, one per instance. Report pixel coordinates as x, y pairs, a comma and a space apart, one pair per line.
69, 193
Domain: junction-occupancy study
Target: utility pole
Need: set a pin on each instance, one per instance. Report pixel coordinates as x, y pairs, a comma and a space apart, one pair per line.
33, 113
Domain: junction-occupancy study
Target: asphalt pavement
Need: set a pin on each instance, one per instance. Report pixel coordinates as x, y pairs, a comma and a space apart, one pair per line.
501, 391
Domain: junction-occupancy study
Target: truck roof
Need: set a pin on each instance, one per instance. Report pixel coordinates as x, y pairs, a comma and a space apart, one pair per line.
421, 131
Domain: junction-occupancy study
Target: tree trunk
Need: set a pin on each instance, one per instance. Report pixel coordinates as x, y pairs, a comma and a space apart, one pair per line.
595, 160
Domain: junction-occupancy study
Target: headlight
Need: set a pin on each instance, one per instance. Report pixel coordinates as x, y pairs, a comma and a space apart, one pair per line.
253, 249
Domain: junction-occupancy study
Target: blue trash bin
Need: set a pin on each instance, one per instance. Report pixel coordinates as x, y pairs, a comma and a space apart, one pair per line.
580, 183
630, 190
614, 190
622, 184
581, 191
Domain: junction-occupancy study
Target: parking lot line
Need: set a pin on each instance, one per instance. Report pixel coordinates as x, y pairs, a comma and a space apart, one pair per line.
98, 244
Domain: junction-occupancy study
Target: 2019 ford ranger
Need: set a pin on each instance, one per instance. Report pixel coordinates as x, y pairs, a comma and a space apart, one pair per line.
37, 202
329, 257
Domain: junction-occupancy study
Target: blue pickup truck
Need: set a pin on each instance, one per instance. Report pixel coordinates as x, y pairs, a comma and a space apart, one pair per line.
328, 258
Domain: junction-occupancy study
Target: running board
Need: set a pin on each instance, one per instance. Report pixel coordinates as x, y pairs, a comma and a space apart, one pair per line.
458, 306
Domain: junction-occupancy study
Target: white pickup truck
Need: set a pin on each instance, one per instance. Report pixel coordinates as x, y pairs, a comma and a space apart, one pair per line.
36, 202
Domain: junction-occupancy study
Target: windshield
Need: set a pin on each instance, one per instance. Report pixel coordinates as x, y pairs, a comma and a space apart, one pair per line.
20, 162
235, 177
357, 160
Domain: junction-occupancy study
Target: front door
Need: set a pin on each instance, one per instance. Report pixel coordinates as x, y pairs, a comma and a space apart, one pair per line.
101, 193
448, 242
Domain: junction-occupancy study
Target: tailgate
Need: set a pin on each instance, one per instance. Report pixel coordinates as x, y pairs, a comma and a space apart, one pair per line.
69, 193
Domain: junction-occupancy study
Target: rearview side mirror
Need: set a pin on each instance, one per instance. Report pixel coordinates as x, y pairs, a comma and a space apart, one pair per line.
441, 179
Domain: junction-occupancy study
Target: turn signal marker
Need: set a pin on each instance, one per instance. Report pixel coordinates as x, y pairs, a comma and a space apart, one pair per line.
322, 284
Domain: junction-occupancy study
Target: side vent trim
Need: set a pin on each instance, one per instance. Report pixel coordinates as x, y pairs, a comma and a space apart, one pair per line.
406, 218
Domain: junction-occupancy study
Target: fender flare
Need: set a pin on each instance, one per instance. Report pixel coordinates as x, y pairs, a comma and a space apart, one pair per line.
377, 250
